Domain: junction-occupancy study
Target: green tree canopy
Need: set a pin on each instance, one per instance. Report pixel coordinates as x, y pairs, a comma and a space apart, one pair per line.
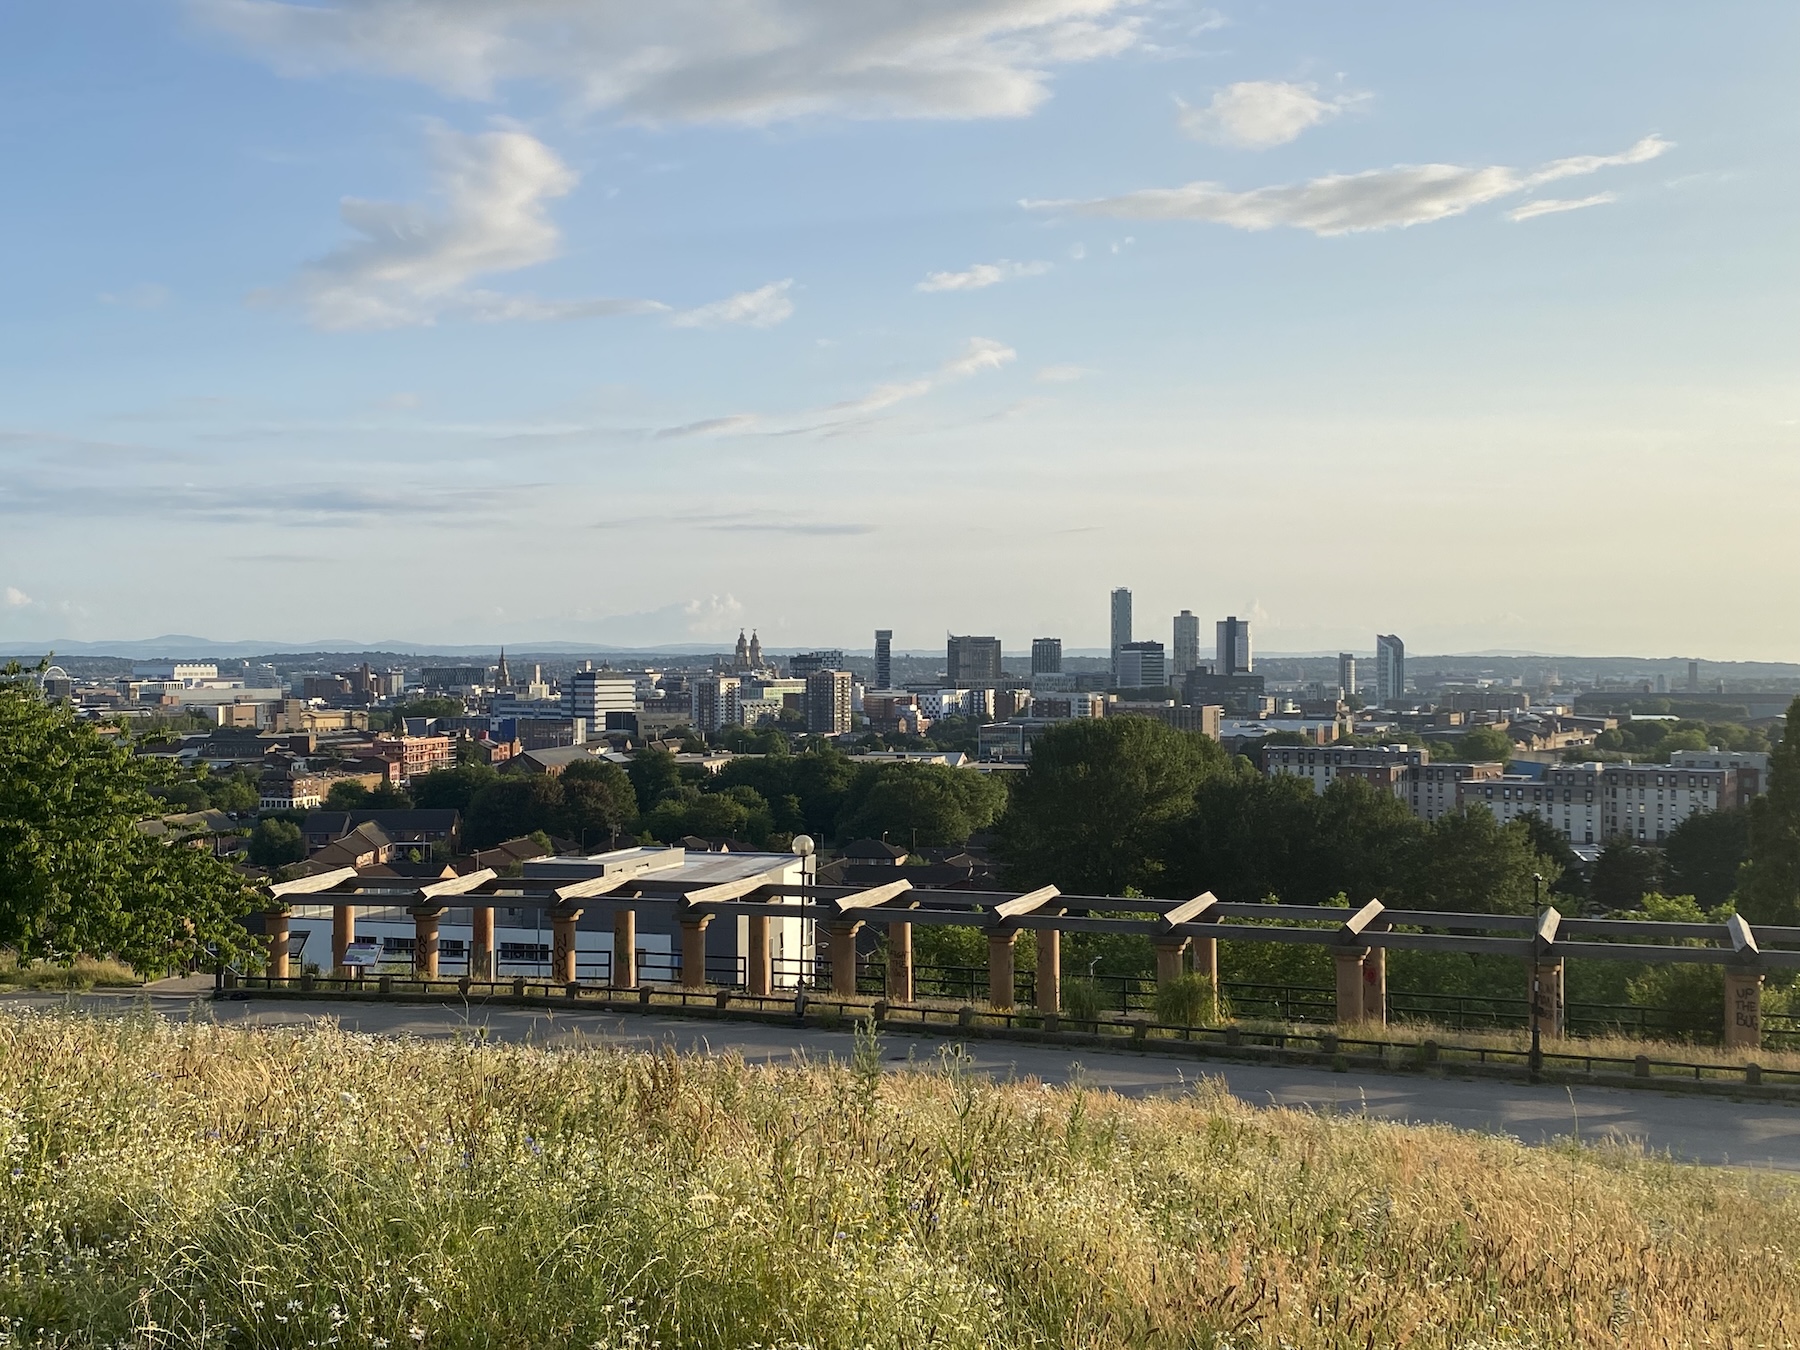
1769, 890
451, 789
1623, 875
598, 803
920, 805
1090, 813
348, 795
510, 807
1703, 854
1481, 745
276, 843
76, 874
1468, 861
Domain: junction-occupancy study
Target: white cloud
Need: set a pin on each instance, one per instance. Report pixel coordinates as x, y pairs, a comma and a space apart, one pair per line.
698, 60
14, 598
1379, 199
762, 308
981, 275
144, 295
1257, 114
981, 354
1549, 206
1062, 374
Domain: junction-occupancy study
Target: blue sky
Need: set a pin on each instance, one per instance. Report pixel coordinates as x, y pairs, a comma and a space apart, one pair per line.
469, 320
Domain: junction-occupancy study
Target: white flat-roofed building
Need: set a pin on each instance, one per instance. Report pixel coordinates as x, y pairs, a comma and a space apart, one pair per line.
1323, 765
1752, 768
1435, 788
1644, 802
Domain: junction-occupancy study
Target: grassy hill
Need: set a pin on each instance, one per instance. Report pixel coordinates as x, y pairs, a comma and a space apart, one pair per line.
202, 1186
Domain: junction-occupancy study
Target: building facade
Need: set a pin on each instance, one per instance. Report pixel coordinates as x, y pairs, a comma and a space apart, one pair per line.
972, 661
1121, 626
828, 710
1752, 768
1184, 655
1390, 669
1231, 647
1142, 665
1046, 656
718, 703
1347, 672
594, 693
884, 658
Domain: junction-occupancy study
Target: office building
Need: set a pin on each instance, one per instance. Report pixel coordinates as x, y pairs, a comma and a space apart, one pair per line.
1121, 626
718, 703
1347, 672
1185, 654
179, 672
1046, 656
1142, 665
1390, 669
594, 693
972, 661
804, 664
884, 658
828, 710
1231, 651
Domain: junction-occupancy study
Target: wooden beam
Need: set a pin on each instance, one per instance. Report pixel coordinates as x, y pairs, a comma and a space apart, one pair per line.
1743, 940
732, 890
457, 885
1354, 925
1547, 924
1189, 910
312, 885
875, 895
589, 887
1024, 904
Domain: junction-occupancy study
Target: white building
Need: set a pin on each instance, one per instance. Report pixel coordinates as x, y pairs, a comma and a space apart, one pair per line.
1323, 765
186, 673
1752, 768
718, 703
1644, 802
594, 693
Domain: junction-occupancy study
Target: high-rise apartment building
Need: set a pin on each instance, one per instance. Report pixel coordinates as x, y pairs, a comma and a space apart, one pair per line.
884, 658
1390, 669
1232, 647
1142, 665
972, 661
1185, 653
1046, 656
828, 710
1347, 671
718, 703
803, 664
1121, 625
594, 693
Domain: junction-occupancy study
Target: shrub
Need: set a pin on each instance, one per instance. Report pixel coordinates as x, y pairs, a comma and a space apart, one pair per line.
1081, 1000
1187, 1001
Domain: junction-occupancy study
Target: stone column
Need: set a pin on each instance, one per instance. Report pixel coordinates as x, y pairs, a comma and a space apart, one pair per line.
1349, 962
275, 923
842, 949
425, 942
624, 952
482, 965
899, 963
1548, 976
1000, 968
1049, 970
1743, 1008
1374, 976
693, 951
1206, 965
1169, 952
343, 933
563, 926
761, 975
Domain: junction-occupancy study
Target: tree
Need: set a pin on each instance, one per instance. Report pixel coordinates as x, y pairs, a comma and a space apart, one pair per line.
1246, 838
348, 795
597, 803
1623, 875
1481, 745
1546, 841
1703, 854
387, 797
276, 843
1769, 890
1091, 810
1468, 861
923, 805
236, 794
655, 776
512, 806
451, 789
76, 873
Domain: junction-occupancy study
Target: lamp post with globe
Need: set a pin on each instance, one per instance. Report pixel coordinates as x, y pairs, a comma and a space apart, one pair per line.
807, 851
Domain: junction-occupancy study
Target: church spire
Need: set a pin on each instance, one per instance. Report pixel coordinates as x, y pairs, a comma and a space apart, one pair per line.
503, 678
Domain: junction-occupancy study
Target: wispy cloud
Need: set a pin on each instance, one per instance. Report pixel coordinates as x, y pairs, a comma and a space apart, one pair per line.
1258, 114
699, 61
14, 598
1549, 206
762, 308
145, 295
1408, 194
981, 275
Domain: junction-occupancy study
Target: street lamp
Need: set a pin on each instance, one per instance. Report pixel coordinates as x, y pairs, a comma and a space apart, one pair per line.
806, 850
1537, 906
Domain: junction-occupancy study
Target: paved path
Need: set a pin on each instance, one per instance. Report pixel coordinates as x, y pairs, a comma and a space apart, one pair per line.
1690, 1128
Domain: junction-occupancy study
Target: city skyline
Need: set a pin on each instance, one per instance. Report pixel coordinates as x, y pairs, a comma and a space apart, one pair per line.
475, 308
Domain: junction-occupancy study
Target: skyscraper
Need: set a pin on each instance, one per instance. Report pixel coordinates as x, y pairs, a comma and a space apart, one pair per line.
1142, 665
828, 702
1347, 671
972, 661
1046, 656
1121, 625
1390, 669
1186, 650
1232, 647
884, 658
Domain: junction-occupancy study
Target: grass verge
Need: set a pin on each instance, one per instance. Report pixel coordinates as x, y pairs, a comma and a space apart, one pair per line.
85, 972
194, 1185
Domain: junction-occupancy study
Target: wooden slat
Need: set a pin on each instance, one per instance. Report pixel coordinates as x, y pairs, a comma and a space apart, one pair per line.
732, 890
1547, 924
1189, 910
324, 881
1743, 941
1354, 925
875, 895
457, 885
1024, 904
589, 887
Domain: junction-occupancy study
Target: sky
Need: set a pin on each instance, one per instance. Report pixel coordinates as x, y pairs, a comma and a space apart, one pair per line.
588, 320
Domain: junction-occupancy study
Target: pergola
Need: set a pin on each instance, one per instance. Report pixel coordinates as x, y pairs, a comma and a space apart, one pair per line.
1358, 939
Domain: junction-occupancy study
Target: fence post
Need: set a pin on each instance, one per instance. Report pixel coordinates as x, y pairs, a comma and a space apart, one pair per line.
1548, 980
900, 963
1743, 1008
1349, 963
1000, 968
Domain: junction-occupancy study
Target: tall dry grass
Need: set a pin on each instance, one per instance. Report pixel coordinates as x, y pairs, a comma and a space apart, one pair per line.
193, 1185
84, 972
